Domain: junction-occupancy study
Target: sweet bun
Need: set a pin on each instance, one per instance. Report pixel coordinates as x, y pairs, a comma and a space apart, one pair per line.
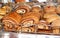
50, 9
58, 9
50, 17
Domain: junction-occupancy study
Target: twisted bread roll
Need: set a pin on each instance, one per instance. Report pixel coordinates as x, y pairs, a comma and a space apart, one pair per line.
50, 17
23, 9
11, 21
30, 18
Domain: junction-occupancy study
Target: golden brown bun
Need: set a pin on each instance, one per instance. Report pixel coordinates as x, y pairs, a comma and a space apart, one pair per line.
50, 17
50, 9
11, 20
56, 23
30, 18
58, 9
23, 9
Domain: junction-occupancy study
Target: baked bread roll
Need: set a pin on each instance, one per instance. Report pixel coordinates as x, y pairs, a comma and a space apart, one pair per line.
23, 9
50, 17
56, 23
50, 9
58, 9
11, 20
30, 18
56, 26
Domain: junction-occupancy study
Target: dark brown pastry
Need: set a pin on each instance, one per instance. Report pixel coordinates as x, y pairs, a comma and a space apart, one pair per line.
11, 21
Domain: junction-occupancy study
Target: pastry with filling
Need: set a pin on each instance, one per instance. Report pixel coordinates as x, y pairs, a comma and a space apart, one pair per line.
30, 19
11, 21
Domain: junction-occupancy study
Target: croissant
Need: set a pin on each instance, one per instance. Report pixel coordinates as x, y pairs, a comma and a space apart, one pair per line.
11, 21
30, 18
22, 9
50, 9
50, 17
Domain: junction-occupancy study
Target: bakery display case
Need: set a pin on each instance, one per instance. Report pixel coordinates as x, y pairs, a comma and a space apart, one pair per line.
32, 18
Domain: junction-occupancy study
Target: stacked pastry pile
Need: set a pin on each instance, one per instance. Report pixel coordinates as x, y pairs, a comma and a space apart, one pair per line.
32, 19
